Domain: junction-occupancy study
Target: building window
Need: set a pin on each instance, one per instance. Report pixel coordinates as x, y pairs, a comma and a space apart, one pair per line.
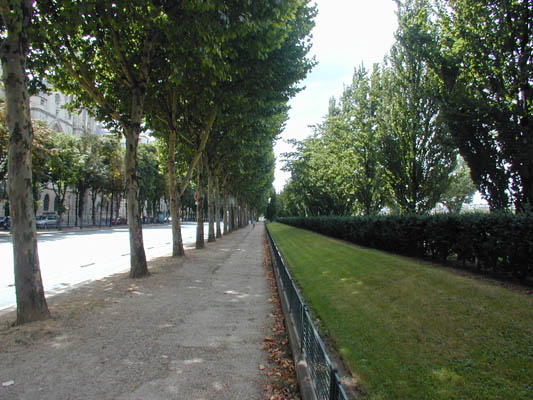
43, 101
58, 99
46, 202
56, 204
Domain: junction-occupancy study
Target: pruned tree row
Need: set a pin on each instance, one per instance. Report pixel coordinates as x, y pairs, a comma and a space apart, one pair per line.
210, 79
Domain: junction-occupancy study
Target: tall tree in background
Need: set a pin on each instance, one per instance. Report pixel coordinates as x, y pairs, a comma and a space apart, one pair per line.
418, 153
271, 210
461, 190
487, 49
482, 53
88, 171
151, 180
14, 47
113, 160
359, 104
61, 167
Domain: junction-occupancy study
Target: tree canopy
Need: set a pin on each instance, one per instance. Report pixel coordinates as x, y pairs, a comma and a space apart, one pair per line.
481, 52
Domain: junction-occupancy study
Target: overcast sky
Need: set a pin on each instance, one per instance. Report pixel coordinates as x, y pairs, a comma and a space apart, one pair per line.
346, 34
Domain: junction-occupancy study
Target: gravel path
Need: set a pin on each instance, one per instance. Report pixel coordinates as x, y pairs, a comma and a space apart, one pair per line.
194, 329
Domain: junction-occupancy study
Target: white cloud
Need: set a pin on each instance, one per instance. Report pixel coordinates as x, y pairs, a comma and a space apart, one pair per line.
347, 33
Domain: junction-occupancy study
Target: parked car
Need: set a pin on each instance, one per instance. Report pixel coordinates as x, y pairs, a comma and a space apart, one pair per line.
5, 222
47, 221
118, 221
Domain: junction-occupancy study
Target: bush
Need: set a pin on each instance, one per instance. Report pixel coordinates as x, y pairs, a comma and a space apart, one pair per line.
496, 243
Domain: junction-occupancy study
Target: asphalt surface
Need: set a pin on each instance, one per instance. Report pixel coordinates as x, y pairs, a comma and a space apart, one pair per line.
193, 330
72, 257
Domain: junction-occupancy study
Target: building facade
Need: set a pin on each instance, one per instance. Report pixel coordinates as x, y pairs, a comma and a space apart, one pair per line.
49, 107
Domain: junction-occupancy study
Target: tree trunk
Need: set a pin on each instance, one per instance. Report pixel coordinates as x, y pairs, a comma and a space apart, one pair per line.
81, 205
175, 198
60, 198
217, 208
101, 210
225, 216
111, 211
210, 206
231, 217
31, 302
200, 208
139, 267
94, 194
76, 208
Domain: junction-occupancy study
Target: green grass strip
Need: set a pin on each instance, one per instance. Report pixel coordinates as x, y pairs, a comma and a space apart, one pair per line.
409, 330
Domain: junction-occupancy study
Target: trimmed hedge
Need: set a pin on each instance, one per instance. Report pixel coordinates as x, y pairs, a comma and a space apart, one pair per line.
495, 243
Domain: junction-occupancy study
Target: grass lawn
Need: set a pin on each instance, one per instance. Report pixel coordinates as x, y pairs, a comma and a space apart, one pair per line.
409, 330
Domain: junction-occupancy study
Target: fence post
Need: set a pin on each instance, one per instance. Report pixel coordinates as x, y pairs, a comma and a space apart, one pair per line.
333, 387
303, 329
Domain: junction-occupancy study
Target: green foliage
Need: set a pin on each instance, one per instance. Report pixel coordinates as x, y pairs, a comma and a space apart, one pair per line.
383, 145
492, 243
417, 152
481, 52
112, 155
461, 190
271, 210
151, 180
360, 160
61, 165
252, 55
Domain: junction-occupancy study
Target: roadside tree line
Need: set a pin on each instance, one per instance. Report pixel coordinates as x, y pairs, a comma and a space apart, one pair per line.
210, 79
447, 112
92, 168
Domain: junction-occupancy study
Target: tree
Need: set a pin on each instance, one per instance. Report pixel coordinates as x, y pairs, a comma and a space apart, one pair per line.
271, 211
418, 154
113, 160
88, 171
61, 167
103, 54
359, 157
4, 141
151, 181
314, 186
489, 101
40, 157
250, 55
98, 173
461, 190
337, 170
481, 51
14, 47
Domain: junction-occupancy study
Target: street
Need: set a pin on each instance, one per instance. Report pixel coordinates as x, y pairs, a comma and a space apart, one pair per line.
71, 258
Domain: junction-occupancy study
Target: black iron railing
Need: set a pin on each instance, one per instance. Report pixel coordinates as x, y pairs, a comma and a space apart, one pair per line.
326, 380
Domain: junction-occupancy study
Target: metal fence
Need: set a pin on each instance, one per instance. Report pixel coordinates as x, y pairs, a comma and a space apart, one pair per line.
326, 380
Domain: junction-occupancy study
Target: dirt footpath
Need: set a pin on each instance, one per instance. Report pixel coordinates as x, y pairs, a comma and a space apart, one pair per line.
193, 329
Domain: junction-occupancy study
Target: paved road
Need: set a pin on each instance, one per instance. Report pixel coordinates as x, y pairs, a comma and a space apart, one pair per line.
75, 257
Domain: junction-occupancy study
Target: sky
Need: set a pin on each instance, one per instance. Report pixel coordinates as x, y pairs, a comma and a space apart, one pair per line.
347, 33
